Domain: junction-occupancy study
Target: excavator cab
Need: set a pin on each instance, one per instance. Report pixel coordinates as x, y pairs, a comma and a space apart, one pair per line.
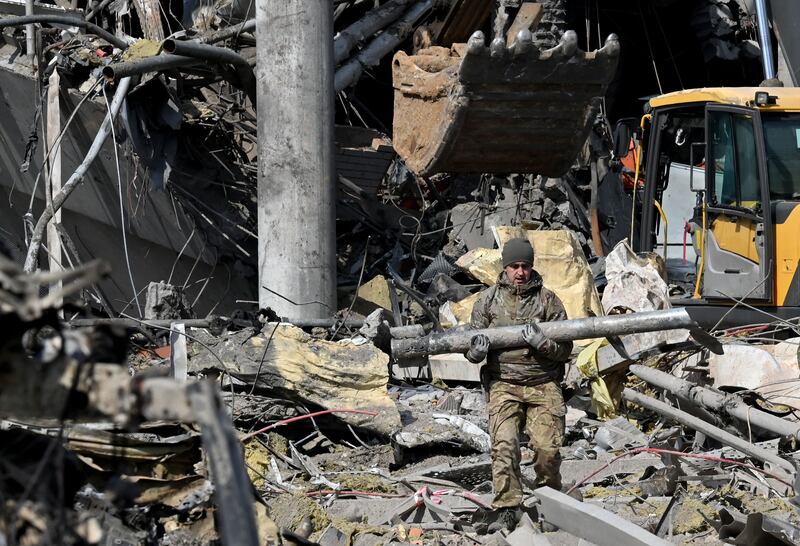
509, 106
721, 200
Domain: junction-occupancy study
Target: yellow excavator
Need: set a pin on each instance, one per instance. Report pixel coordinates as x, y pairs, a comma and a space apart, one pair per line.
510, 106
721, 198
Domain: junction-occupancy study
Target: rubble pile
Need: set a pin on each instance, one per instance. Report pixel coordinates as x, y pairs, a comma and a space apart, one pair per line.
334, 442
154, 402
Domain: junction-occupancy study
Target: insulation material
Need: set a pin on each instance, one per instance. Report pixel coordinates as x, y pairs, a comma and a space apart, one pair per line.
603, 404
557, 257
285, 360
457, 313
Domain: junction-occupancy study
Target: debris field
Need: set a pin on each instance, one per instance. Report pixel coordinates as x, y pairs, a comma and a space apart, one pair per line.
154, 389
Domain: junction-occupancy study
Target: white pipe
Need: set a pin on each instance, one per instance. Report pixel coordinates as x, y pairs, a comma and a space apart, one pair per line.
764, 39
77, 177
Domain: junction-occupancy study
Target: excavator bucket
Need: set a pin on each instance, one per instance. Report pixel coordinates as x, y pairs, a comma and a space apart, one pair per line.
473, 109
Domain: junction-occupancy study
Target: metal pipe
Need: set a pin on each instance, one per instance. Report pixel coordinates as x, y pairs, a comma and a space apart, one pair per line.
31, 258
725, 403
230, 32
372, 22
565, 330
206, 52
411, 330
764, 39
30, 33
91, 28
349, 73
147, 64
296, 175
711, 431
219, 55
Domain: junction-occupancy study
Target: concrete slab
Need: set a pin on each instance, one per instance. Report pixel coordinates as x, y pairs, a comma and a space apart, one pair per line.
454, 367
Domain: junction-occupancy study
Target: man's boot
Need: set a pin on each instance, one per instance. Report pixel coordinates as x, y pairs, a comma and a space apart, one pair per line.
506, 520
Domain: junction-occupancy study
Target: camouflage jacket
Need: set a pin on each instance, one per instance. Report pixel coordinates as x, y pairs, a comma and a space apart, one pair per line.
506, 305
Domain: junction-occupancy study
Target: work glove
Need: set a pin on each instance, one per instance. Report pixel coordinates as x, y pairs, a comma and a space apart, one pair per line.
534, 337
478, 348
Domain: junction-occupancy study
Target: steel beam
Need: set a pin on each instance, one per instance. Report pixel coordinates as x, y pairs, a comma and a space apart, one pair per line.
590, 522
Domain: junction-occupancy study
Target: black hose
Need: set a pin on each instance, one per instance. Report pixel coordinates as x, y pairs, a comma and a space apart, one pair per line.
147, 64
90, 28
219, 55
206, 52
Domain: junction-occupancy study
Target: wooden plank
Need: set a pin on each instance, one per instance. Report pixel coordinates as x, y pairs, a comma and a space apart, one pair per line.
149, 12
528, 16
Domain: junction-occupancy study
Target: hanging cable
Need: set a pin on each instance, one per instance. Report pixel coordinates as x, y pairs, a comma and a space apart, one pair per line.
669, 49
650, 48
122, 208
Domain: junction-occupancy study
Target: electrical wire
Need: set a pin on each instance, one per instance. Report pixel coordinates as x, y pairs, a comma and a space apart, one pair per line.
650, 48
56, 144
305, 416
358, 287
660, 451
122, 207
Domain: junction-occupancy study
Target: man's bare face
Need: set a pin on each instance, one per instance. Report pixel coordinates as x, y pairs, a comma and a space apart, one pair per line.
518, 273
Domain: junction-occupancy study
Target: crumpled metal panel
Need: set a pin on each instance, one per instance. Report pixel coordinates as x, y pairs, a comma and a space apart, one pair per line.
755, 529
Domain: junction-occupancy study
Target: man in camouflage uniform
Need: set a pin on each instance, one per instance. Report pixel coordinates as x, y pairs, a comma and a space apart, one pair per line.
523, 383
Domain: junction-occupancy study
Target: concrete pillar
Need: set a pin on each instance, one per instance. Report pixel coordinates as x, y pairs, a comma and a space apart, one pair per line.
296, 176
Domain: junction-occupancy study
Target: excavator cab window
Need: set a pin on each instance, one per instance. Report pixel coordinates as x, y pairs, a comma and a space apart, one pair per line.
733, 160
782, 144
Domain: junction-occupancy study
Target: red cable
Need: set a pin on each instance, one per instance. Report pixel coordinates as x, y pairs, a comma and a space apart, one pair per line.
679, 454
306, 416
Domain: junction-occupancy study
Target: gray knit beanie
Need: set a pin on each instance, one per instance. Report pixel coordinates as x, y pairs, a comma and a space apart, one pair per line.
517, 250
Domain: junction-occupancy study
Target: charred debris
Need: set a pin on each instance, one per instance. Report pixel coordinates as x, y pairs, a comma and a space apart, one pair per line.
148, 398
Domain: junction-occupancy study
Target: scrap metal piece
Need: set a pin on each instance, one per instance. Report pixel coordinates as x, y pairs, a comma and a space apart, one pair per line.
665, 524
699, 425
755, 529
591, 522
233, 490
178, 358
478, 109
730, 404
619, 433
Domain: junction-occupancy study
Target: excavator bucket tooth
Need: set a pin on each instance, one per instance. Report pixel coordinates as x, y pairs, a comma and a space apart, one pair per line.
517, 109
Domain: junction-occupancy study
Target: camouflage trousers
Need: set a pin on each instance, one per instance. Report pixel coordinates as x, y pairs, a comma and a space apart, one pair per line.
541, 409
